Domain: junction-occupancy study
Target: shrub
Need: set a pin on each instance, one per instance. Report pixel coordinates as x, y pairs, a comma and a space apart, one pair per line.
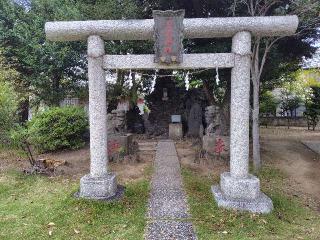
19, 138
8, 109
268, 104
58, 128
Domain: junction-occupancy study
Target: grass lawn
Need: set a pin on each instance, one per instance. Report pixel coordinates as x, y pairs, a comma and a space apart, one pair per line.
289, 220
38, 207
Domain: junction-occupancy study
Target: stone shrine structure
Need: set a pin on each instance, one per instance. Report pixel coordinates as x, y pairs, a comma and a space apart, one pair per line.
212, 118
213, 128
194, 120
238, 189
116, 122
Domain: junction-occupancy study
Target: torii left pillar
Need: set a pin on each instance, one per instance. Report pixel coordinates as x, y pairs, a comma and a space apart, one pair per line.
99, 183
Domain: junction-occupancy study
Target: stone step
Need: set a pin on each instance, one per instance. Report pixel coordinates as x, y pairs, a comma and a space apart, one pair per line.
147, 150
147, 146
162, 229
147, 143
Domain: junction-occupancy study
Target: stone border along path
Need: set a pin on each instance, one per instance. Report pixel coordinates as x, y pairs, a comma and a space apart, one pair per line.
313, 145
168, 216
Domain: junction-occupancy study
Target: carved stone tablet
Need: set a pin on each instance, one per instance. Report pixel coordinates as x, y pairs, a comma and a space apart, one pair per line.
168, 34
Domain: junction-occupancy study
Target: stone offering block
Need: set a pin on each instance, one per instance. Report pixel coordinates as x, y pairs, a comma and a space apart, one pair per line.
194, 120
175, 131
210, 144
122, 141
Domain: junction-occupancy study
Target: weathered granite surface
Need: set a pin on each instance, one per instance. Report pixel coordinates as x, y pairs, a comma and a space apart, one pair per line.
240, 105
167, 199
99, 184
102, 187
175, 131
243, 188
194, 120
238, 189
190, 61
193, 28
261, 204
97, 107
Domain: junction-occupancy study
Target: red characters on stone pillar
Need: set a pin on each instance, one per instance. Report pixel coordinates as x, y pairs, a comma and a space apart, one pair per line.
219, 147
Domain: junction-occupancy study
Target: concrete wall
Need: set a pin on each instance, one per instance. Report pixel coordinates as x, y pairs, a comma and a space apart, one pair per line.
283, 121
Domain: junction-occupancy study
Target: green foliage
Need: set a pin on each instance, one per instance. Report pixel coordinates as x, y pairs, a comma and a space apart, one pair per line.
300, 82
8, 110
20, 138
48, 70
312, 112
19, 135
7, 72
268, 104
52, 70
109, 9
308, 77
58, 128
289, 104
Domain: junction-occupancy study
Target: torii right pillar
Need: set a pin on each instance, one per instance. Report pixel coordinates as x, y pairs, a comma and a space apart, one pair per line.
238, 189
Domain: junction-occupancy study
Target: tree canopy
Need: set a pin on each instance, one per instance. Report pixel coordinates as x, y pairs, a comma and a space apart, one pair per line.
52, 70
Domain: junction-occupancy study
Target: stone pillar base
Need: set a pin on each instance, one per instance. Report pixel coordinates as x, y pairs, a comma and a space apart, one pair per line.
103, 187
242, 194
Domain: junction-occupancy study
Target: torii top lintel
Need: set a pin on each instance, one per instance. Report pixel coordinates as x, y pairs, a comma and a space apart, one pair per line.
193, 28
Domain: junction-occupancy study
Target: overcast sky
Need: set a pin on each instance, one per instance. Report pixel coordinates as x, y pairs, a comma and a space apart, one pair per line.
25, 3
313, 62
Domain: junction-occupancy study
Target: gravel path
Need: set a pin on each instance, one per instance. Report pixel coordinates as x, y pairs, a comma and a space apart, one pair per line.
168, 210
313, 145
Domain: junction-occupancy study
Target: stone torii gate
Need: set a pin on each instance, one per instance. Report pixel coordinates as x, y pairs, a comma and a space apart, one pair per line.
238, 189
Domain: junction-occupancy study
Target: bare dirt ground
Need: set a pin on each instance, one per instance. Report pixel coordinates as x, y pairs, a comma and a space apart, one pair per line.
129, 169
283, 148
188, 152
280, 147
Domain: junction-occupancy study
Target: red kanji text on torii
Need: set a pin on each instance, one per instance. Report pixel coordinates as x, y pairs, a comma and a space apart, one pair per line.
168, 36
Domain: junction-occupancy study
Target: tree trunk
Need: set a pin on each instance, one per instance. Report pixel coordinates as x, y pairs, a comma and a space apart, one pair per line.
56, 96
256, 128
24, 110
